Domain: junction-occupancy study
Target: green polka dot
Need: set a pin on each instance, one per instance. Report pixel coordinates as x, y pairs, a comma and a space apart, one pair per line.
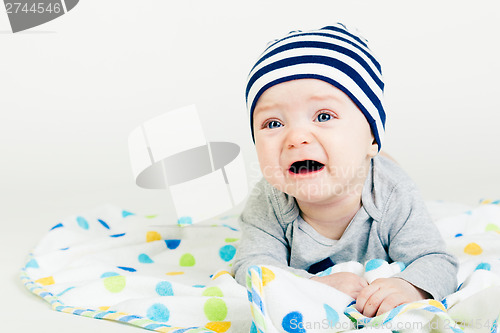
231, 240
492, 227
187, 260
213, 291
215, 309
114, 284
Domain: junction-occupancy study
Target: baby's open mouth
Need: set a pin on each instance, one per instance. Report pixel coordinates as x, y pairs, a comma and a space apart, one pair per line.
306, 166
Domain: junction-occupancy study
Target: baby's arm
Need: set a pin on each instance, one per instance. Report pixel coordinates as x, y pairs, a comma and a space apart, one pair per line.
411, 237
263, 240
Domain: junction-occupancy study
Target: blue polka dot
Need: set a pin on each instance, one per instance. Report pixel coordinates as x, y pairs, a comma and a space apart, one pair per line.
32, 264
128, 269
227, 252
117, 235
104, 224
172, 244
82, 222
459, 235
199, 286
253, 328
293, 323
484, 265
108, 274
64, 248
158, 312
59, 225
373, 264
164, 288
331, 316
125, 213
145, 259
185, 220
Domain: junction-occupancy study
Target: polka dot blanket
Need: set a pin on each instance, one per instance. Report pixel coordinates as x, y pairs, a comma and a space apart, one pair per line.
113, 264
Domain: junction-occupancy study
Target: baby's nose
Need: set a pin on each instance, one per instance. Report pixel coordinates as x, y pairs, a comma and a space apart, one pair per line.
297, 137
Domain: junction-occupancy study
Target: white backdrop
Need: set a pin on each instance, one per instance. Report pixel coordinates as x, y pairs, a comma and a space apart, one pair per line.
71, 91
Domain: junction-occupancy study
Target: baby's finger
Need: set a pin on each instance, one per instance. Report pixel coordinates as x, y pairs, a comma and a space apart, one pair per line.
364, 295
389, 303
374, 301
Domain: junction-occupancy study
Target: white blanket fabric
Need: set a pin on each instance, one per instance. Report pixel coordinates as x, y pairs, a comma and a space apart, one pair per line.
113, 264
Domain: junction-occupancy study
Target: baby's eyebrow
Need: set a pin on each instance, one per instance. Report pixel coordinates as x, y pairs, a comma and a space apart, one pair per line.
265, 107
324, 97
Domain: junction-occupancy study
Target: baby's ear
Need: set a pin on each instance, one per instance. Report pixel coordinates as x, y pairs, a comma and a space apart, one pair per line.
373, 150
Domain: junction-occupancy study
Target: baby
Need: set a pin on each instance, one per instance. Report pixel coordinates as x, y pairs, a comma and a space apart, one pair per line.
328, 196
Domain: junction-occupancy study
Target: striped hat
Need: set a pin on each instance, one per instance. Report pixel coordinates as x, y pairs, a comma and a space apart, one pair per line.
331, 54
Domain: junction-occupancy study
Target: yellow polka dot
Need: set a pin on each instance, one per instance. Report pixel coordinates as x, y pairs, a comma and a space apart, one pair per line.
267, 276
218, 326
473, 249
152, 236
219, 274
103, 308
46, 281
174, 273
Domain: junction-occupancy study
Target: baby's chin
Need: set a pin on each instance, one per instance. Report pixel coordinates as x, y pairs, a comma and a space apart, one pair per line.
310, 193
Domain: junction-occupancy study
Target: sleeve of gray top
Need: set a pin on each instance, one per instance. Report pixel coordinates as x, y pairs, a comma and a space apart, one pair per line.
263, 240
414, 239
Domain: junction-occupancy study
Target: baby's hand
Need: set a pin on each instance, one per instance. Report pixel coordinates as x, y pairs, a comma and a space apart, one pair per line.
349, 283
383, 295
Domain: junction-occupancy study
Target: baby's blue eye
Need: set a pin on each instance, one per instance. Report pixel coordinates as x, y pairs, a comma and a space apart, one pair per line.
322, 117
273, 124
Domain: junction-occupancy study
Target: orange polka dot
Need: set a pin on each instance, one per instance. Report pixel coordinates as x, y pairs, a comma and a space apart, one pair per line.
174, 273
473, 249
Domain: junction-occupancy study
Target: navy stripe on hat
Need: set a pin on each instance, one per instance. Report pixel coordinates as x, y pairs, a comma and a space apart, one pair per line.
331, 54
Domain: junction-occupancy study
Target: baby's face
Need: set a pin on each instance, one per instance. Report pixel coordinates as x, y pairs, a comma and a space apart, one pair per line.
312, 141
